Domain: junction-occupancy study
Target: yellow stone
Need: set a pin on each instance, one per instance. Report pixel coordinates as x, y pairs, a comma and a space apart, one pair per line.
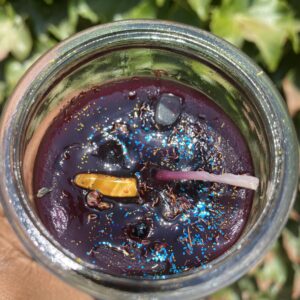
108, 185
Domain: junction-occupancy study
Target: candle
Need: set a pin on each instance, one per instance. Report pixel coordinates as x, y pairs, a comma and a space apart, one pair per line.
144, 177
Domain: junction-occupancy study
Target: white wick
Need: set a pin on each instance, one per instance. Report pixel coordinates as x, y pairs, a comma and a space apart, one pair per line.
244, 181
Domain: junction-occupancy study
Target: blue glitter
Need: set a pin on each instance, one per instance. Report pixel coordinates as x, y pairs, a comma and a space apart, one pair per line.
174, 269
148, 138
105, 244
90, 137
139, 245
156, 217
158, 256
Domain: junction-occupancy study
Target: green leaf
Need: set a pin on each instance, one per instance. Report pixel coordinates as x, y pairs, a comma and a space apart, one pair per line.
266, 23
247, 285
86, 12
181, 12
225, 294
291, 244
249, 290
272, 274
42, 16
63, 30
201, 7
2, 91
43, 43
111, 10
223, 21
160, 3
67, 26
14, 70
145, 9
49, 2
15, 37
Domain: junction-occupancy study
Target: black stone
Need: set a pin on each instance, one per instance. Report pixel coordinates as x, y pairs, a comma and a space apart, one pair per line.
168, 109
139, 230
111, 152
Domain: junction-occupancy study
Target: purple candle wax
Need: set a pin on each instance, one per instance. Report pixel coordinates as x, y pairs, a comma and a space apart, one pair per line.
131, 128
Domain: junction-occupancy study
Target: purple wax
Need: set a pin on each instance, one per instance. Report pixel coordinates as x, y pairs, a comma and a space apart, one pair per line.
131, 128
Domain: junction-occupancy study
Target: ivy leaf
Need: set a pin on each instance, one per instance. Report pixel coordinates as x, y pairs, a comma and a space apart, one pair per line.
86, 12
145, 9
13, 72
202, 8
181, 12
266, 23
107, 10
15, 37
67, 26
15, 69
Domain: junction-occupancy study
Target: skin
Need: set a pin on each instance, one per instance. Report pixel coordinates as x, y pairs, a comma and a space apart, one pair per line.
22, 278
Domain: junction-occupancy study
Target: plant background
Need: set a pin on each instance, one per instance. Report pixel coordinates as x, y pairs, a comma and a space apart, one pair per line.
267, 30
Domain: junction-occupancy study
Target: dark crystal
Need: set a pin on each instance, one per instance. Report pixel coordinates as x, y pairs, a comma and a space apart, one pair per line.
167, 110
139, 230
111, 152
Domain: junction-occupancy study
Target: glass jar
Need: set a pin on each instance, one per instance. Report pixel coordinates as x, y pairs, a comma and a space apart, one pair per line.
171, 51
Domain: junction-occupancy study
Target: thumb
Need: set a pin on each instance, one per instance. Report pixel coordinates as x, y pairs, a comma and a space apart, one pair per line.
21, 278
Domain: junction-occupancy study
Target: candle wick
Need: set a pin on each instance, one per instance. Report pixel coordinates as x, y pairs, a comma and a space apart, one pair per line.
244, 180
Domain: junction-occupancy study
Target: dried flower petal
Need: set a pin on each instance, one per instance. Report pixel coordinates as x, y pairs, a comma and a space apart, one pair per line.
43, 191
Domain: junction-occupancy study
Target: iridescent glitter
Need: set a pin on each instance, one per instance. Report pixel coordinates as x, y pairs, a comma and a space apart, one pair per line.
170, 227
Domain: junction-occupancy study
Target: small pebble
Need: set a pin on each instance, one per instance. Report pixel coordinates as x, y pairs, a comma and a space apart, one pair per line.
139, 230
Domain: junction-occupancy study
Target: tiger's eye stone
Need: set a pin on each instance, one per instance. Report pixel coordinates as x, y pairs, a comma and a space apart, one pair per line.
108, 185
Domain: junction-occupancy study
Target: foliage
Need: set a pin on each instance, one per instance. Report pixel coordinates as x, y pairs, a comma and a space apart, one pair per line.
267, 30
